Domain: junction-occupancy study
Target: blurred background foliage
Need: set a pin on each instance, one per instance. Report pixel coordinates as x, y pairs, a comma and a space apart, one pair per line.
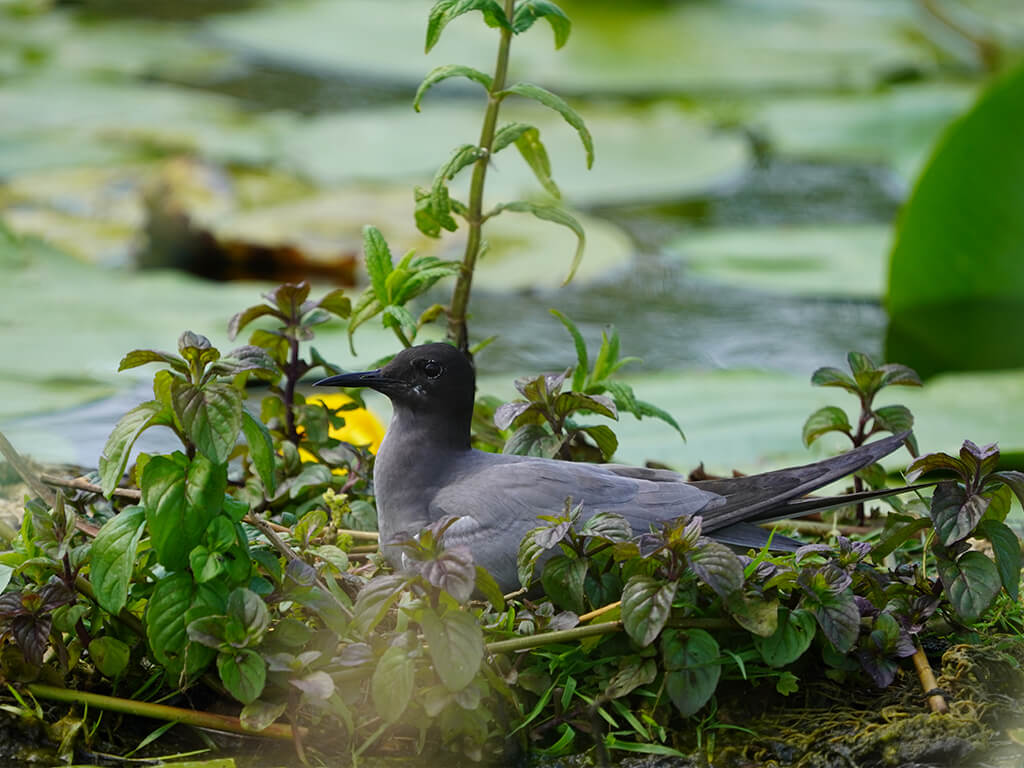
777, 182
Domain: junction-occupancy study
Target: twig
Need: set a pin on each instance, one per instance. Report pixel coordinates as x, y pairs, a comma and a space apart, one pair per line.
81, 484
364, 535
600, 611
578, 633
159, 711
267, 529
936, 701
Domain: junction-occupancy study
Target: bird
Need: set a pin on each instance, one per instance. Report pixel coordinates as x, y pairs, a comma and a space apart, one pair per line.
426, 469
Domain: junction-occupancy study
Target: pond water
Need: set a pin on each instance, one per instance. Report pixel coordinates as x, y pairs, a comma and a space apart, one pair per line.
739, 213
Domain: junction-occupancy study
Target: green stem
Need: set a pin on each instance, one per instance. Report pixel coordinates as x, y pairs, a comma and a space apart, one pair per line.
602, 628
457, 331
156, 711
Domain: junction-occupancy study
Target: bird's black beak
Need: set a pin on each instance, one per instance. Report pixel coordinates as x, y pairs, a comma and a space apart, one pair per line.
372, 379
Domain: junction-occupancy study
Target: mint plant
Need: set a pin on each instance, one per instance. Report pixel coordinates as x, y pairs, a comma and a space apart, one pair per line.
435, 207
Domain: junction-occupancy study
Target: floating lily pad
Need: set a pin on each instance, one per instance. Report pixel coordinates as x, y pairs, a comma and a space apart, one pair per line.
896, 127
679, 153
740, 45
819, 261
56, 122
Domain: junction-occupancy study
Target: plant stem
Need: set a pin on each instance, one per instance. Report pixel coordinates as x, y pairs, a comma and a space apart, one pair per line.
602, 628
936, 701
457, 331
291, 378
157, 711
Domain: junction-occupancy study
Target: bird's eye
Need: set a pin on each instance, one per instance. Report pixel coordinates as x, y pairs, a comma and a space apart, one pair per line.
432, 369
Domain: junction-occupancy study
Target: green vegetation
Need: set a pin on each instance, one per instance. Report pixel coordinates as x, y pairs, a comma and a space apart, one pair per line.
238, 566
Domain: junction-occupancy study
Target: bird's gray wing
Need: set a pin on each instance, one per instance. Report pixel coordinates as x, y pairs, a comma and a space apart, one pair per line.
772, 495
499, 501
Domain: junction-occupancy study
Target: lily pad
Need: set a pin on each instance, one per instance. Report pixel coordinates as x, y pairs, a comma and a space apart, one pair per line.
620, 47
896, 126
679, 155
815, 261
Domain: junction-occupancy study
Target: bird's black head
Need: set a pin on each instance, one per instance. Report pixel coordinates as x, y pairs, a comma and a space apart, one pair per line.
431, 379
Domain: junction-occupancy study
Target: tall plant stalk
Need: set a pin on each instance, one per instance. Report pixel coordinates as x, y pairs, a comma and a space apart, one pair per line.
457, 329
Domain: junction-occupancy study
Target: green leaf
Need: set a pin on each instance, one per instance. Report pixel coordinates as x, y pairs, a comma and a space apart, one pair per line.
609, 526
249, 610
109, 654
456, 644
244, 674
392, 682
895, 535
246, 316
138, 357
446, 10
971, 583
634, 673
437, 74
528, 11
1006, 547
692, 668
258, 715
165, 627
833, 377
536, 156
894, 418
378, 261
488, 587
953, 320
582, 364
508, 134
211, 415
716, 565
792, 637
115, 455
562, 580
556, 215
568, 402
825, 420
261, 451
894, 374
550, 100
375, 600
646, 605
180, 498
336, 302
112, 558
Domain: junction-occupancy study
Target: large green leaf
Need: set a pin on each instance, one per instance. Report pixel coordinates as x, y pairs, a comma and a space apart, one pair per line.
456, 644
211, 415
971, 583
180, 498
391, 685
244, 673
792, 637
119, 445
692, 668
112, 557
956, 279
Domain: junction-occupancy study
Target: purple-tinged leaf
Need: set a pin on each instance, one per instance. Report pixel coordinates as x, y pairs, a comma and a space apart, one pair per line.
646, 605
453, 571
837, 615
609, 526
562, 579
716, 565
316, 685
289, 298
833, 377
954, 514
1013, 479
139, 357
246, 316
894, 418
336, 302
634, 673
32, 634
937, 462
505, 414
811, 549
894, 374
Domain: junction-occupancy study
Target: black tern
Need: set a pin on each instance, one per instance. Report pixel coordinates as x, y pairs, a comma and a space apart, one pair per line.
426, 469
